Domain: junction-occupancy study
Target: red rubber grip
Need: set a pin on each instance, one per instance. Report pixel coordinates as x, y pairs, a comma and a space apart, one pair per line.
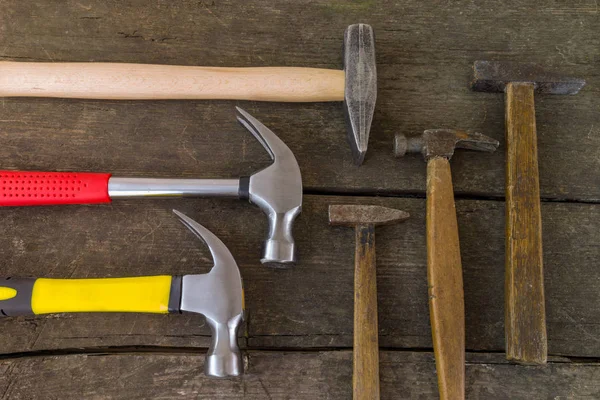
24, 188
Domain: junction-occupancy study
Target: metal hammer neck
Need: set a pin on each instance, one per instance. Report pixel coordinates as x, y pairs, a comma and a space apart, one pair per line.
161, 187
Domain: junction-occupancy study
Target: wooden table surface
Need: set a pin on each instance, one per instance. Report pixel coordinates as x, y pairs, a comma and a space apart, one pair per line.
298, 332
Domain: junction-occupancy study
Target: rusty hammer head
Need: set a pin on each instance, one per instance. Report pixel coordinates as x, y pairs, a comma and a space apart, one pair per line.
358, 214
219, 296
442, 142
492, 76
360, 90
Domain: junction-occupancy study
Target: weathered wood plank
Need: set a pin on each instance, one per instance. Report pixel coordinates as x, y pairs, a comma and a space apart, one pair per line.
310, 305
424, 54
283, 375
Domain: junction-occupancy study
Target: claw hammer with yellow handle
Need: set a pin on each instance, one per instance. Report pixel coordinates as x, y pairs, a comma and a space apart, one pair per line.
218, 295
444, 270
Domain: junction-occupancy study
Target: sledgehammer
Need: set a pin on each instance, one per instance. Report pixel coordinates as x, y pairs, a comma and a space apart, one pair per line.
525, 311
355, 85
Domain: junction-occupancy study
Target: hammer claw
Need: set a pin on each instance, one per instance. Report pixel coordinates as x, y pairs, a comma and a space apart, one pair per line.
257, 129
218, 250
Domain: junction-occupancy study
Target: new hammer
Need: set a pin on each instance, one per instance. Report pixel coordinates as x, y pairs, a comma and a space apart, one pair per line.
525, 310
355, 85
218, 295
276, 190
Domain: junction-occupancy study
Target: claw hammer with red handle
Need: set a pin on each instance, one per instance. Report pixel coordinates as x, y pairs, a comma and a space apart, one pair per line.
276, 190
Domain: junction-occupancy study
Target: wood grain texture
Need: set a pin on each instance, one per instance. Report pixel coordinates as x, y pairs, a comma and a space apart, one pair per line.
525, 308
445, 281
424, 54
123, 81
283, 375
424, 58
365, 376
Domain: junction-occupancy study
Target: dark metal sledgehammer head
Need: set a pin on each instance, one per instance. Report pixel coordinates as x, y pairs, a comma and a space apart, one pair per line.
358, 214
360, 91
442, 142
492, 76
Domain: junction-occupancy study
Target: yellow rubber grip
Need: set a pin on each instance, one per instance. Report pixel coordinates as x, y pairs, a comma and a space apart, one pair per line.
148, 294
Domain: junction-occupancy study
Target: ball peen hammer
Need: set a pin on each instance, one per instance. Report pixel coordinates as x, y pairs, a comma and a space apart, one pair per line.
218, 295
525, 310
444, 270
365, 378
276, 190
355, 85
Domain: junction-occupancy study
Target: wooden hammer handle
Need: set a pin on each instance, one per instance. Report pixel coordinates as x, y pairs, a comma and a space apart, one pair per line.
526, 340
116, 81
445, 281
366, 343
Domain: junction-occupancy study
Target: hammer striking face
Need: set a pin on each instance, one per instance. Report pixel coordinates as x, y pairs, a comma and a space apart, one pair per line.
218, 295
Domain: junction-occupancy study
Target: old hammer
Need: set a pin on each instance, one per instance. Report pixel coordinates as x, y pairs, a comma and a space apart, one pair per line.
355, 85
218, 295
444, 270
365, 378
525, 310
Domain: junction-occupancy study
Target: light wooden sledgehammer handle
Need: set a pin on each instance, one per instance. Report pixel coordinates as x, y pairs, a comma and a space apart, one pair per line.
115, 81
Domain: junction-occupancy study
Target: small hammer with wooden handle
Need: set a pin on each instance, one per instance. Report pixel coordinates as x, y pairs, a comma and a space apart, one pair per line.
365, 378
444, 270
525, 309
355, 85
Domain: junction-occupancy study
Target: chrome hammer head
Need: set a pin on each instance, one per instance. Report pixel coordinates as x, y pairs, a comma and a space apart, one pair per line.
219, 296
360, 90
442, 142
277, 190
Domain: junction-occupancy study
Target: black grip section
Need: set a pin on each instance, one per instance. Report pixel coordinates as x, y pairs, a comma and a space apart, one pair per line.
175, 294
21, 303
244, 190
